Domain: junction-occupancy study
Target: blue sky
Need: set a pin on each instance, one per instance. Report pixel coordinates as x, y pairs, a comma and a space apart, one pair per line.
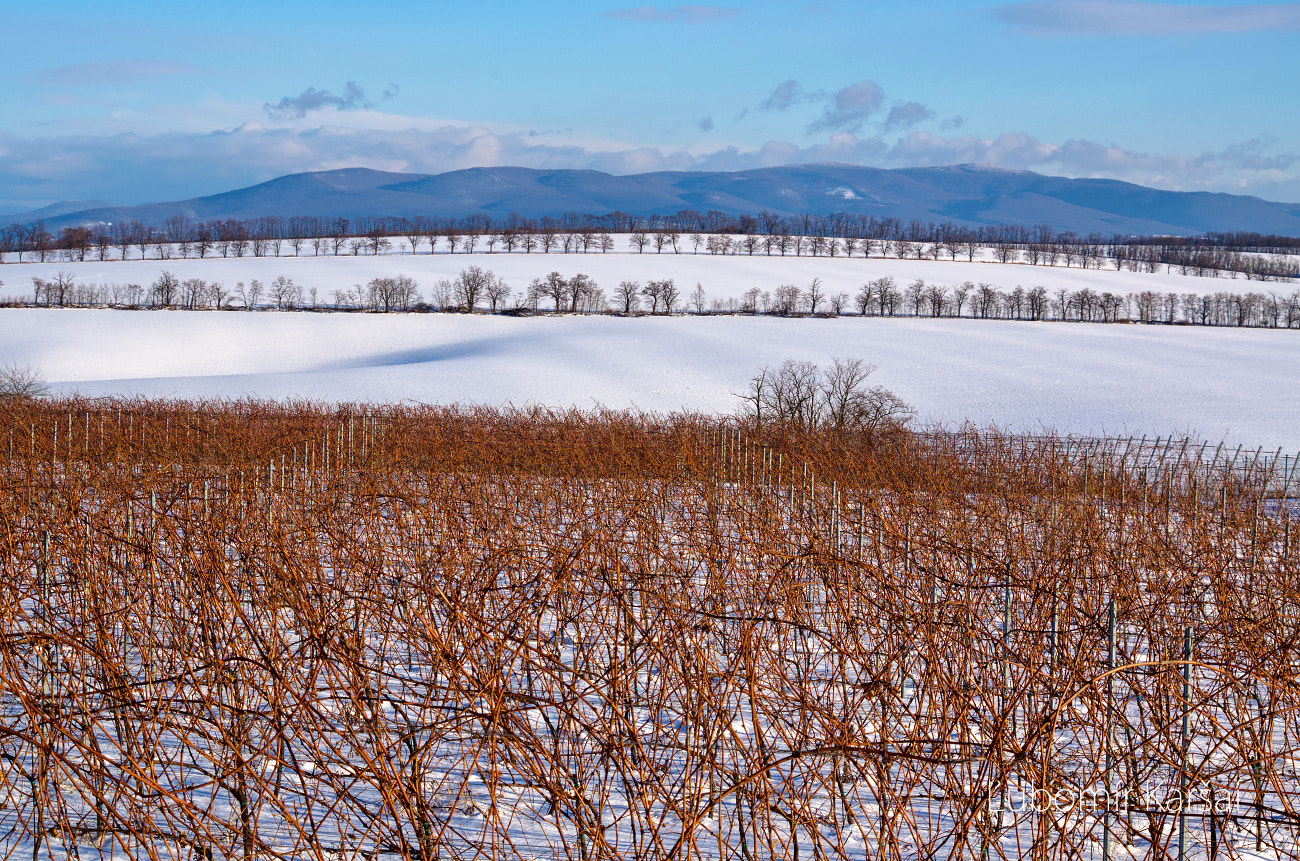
162, 100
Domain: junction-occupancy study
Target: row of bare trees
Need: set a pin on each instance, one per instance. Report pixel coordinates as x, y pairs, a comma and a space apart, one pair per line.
885, 297
255, 631
476, 287
1258, 258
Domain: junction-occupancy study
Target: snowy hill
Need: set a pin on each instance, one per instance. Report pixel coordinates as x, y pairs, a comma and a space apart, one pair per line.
1216, 384
970, 195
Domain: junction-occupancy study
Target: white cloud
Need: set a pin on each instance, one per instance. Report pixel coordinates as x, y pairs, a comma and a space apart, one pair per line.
787, 93
906, 115
311, 99
850, 108
131, 168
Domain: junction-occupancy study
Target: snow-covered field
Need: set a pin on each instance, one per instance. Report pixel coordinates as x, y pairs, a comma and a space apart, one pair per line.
1236, 385
722, 277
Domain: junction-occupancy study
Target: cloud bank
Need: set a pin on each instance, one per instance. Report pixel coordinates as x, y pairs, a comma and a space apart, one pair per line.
136, 169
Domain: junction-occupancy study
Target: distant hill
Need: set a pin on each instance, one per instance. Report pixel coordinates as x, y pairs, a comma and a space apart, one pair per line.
970, 195
54, 210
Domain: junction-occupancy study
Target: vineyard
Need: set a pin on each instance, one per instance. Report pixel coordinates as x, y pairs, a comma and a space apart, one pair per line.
248, 630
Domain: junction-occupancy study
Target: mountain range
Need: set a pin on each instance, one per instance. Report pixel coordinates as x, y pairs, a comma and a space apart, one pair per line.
969, 195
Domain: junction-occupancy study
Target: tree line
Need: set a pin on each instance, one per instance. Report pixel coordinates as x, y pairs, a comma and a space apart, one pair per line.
1256, 256
478, 289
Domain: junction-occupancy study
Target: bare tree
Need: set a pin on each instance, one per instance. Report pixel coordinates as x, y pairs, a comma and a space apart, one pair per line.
886, 295
1015, 303
986, 299
668, 295
22, 382
796, 394
397, 293
816, 293
344, 298
785, 300
532, 297
471, 285
788, 395
850, 405
628, 296
414, 231
1037, 301
497, 292
651, 291
916, 296
164, 292
959, 294
285, 293
579, 288
556, 288
249, 293
442, 294
338, 234
53, 291
144, 237
639, 241
75, 242
864, 297
937, 296
697, 298
194, 293
593, 300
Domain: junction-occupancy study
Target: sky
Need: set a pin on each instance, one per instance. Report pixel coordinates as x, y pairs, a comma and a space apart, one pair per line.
149, 100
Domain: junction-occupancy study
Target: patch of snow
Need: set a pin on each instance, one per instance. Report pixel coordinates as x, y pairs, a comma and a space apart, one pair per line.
1230, 384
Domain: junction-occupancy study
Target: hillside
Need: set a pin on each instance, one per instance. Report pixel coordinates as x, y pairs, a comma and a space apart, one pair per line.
969, 195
